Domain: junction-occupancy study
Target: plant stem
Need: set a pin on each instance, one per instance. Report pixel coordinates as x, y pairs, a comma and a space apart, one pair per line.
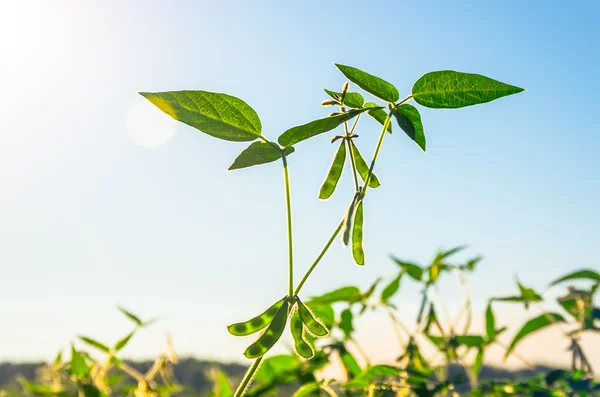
288, 203
348, 143
386, 123
248, 377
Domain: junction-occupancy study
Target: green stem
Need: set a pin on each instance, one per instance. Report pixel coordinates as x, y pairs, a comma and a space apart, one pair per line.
288, 203
386, 123
248, 377
352, 161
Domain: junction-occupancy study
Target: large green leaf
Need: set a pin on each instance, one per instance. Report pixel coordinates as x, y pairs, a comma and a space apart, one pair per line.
378, 114
579, 274
451, 89
372, 84
259, 153
409, 120
351, 99
344, 294
305, 131
220, 115
533, 325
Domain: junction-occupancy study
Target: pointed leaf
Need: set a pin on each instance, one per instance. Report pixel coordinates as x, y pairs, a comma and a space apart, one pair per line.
308, 389
379, 115
95, 343
478, 362
79, 367
579, 274
372, 84
220, 115
124, 341
346, 322
363, 168
534, 325
391, 288
344, 294
409, 120
469, 340
357, 236
259, 153
302, 132
132, 317
451, 89
413, 270
490, 323
334, 174
351, 99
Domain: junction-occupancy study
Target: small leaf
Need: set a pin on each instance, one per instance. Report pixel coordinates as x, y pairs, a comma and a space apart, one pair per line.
363, 168
271, 335
478, 362
344, 294
303, 349
308, 389
123, 342
79, 367
222, 388
379, 115
334, 174
220, 115
257, 323
534, 325
346, 324
357, 236
305, 131
413, 270
313, 325
391, 288
371, 373
95, 343
451, 89
132, 317
259, 153
409, 120
490, 323
372, 84
351, 99
579, 274
469, 340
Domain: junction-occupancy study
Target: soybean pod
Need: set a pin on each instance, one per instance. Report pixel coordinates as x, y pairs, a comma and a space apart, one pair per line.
271, 335
363, 168
313, 325
347, 222
334, 174
257, 323
301, 346
357, 236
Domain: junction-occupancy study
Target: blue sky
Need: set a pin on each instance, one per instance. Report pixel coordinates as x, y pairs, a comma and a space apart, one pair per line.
91, 219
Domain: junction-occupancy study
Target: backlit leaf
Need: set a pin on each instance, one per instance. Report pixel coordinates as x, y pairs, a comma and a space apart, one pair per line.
344, 294
220, 115
409, 120
577, 275
413, 270
259, 153
378, 114
451, 89
372, 84
95, 343
391, 288
351, 99
533, 325
490, 323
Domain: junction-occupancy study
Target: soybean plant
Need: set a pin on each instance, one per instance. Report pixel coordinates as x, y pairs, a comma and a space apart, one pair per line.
229, 118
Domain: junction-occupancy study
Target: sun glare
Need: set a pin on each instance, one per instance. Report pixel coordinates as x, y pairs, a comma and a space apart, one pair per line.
147, 125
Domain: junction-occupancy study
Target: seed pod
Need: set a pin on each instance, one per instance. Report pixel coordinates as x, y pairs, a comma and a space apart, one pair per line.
329, 102
313, 325
363, 168
333, 114
271, 335
335, 138
334, 174
345, 88
347, 223
357, 236
257, 323
301, 346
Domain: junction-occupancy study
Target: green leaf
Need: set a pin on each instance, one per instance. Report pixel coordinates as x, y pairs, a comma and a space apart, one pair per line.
375, 371
379, 115
334, 174
413, 270
123, 342
409, 120
346, 322
95, 343
579, 274
132, 317
469, 340
259, 153
275, 366
350, 364
490, 323
344, 294
220, 115
372, 84
305, 131
257, 323
307, 389
363, 168
221, 388
357, 236
271, 335
391, 288
351, 99
79, 367
534, 325
450, 89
